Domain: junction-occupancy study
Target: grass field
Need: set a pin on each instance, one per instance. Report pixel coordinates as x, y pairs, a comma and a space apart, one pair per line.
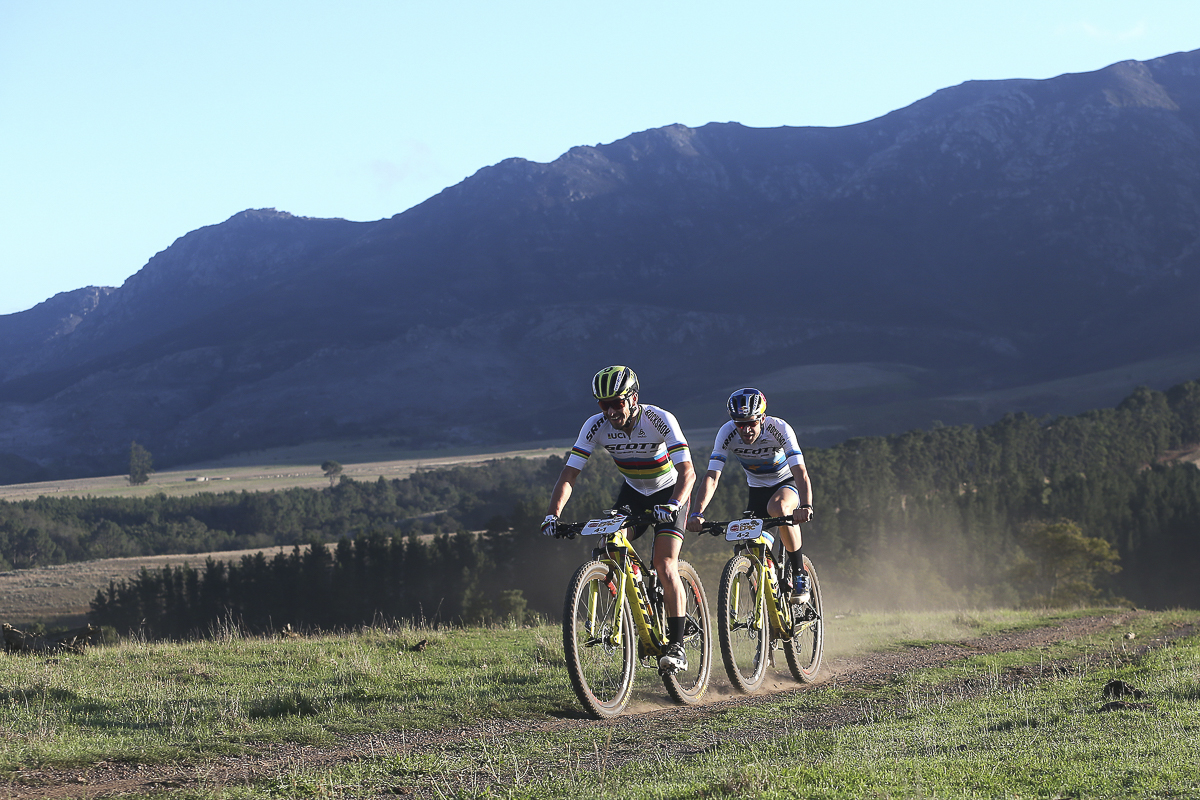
982, 704
284, 468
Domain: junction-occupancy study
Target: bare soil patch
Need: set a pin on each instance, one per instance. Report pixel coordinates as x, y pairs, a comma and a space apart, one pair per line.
1188, 454
636, 729
61, 594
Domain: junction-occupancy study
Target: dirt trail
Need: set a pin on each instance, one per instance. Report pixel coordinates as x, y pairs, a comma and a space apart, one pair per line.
107, 780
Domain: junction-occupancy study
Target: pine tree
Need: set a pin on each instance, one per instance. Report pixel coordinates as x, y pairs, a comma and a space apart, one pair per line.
141, 464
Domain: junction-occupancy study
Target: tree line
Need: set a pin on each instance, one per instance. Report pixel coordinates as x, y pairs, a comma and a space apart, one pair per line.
951, 515
375, 576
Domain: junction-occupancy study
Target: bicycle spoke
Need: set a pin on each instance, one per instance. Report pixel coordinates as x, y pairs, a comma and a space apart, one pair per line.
687, 686
804, 649
598, 642
743, 636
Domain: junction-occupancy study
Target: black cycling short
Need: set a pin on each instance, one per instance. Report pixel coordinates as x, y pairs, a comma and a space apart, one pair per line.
644, 504
761, 495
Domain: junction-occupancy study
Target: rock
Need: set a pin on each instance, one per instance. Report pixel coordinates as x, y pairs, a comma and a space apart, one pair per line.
72, 641
1118, 688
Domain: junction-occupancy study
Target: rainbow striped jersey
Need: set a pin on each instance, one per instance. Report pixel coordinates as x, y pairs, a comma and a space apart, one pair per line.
646, 456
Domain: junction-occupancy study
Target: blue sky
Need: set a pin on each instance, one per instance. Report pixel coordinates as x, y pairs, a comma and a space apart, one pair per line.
124, 125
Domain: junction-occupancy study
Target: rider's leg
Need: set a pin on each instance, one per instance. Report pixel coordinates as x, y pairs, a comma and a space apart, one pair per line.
666, 562
667, 544
782, 504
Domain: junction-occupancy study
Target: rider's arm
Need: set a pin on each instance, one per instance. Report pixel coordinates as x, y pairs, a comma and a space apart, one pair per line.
795, 460
804, 488
680, 455
577, 458
708, 487
683, 485
716, 463
562, 490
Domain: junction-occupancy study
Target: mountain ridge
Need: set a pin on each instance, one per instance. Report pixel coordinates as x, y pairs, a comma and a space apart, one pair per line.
992, 235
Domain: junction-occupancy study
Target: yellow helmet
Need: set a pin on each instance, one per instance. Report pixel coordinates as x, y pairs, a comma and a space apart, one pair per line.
613, 382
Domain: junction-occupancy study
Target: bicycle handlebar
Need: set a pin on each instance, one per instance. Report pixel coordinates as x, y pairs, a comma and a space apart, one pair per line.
715, 528
567, 530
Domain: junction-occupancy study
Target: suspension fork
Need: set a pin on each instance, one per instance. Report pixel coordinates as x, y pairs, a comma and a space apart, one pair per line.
620, 580
760, 609
759, 565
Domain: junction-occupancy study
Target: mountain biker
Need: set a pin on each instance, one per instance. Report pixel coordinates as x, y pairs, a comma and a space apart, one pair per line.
652, 454
779, 486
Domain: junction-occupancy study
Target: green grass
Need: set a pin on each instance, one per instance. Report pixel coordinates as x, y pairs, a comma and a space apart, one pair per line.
1043, 741
973, 728
160, 702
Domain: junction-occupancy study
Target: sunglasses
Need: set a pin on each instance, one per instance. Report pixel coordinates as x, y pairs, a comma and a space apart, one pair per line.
618, 402
745, 423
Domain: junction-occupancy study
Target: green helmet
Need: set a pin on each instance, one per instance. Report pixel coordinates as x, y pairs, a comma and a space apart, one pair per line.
613, 382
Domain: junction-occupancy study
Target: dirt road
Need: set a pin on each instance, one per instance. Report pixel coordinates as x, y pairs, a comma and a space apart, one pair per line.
659, 724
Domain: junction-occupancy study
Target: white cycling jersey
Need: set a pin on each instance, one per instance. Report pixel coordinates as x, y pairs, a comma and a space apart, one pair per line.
646, 456
767, 460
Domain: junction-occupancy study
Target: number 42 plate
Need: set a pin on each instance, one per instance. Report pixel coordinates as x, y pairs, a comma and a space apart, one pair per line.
742, 529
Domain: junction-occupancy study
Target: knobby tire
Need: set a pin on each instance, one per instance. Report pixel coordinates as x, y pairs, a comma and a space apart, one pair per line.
743, 641
601, 674
688, 686
805, 648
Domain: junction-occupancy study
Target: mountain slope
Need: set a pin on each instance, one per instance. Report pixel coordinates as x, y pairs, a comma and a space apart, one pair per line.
994, 235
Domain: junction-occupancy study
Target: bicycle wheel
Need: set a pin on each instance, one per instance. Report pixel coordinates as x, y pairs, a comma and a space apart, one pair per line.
804, 649
743, 640
601, 673
688, 686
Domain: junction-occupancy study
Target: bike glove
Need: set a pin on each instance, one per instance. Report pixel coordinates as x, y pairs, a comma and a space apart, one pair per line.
666, 512
550, 525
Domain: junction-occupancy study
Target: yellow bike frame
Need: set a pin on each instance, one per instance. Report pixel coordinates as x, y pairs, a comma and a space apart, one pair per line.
756, 551
617, 552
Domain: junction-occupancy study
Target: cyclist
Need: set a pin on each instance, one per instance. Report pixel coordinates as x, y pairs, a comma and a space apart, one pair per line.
652, 454
779, 484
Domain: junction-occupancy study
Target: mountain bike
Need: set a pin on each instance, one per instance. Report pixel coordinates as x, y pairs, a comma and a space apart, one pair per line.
614, 618
755, 616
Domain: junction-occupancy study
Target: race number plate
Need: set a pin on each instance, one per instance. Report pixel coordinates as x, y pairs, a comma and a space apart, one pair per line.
603, 527
742, 529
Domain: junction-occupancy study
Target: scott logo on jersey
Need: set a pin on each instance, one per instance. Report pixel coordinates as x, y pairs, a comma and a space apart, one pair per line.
627, 446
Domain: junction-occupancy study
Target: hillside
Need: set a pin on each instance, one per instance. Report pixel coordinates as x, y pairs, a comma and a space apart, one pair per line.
953, 516
949, 261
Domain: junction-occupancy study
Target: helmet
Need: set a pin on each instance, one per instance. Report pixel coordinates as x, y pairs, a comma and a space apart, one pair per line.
747, 404
613, 382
